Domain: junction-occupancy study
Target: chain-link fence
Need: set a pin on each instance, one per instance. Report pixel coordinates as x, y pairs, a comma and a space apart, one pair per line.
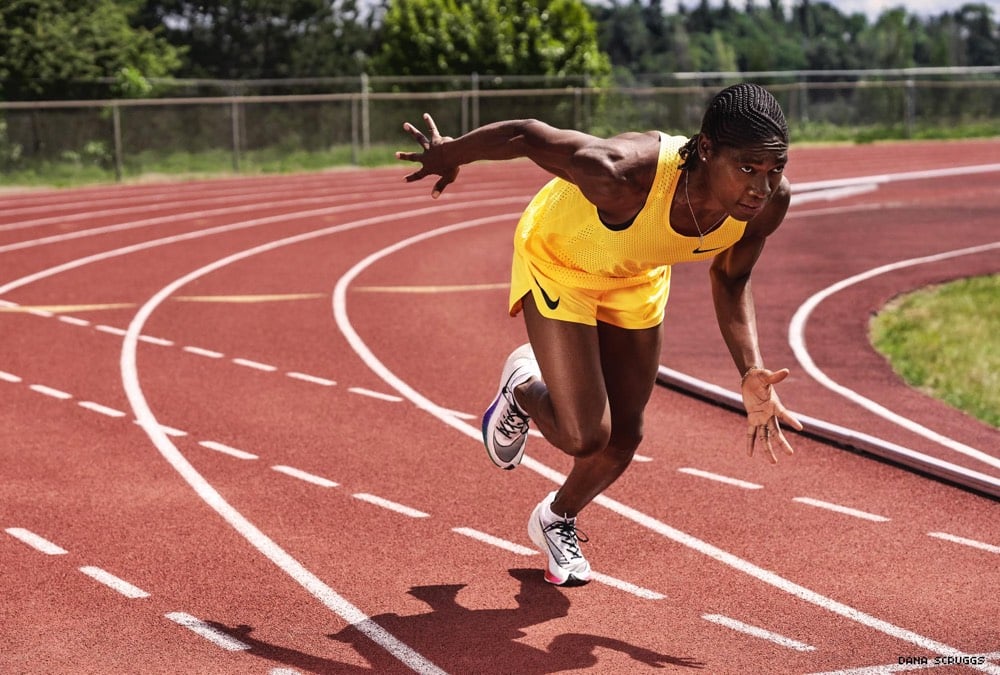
236, 119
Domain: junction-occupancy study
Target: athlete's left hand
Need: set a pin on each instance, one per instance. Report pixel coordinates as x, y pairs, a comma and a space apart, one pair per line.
764, 410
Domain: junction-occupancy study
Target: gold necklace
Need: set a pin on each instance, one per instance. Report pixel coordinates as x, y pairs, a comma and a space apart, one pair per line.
701, 236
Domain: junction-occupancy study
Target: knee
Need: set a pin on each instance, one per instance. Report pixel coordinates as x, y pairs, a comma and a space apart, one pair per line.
586, 441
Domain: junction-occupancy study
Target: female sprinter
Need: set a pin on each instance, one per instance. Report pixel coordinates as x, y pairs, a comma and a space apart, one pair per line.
591, 273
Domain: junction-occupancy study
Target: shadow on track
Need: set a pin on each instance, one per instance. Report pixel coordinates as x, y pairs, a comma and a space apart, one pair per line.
461, 640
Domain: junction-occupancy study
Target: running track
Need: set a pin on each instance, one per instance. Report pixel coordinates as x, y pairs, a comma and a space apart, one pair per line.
239, 435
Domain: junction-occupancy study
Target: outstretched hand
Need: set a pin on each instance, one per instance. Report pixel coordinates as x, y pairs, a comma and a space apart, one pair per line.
433, 163
764, 411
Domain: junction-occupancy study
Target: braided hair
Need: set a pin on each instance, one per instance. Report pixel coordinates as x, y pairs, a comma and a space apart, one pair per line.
737, 116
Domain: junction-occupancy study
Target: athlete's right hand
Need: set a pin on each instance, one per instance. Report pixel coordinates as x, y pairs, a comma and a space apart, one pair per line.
432, 163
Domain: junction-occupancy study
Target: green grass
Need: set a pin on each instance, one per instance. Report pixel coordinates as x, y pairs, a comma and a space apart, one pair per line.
945, 340
79, 169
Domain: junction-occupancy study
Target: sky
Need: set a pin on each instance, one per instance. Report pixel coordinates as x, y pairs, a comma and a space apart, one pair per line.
873, 8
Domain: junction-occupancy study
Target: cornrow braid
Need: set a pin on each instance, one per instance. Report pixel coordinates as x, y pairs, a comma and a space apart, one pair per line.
737, 116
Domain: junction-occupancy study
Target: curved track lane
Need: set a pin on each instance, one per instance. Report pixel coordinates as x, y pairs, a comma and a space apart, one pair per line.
240, 435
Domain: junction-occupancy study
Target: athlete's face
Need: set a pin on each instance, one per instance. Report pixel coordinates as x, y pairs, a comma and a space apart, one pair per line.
743, 179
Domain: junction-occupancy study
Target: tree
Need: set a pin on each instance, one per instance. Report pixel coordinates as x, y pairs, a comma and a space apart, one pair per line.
57, 49
489, 37
254, 39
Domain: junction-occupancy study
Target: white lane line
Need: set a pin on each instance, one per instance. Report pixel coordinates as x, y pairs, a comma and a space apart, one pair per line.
392, 506
114, 583
8, 377
495, 541
36, 542
621, 585
746, 485
203, 352
162, 342
49, 391
626, 586
256, 365
643, 520
169, 431
74, 321
375, 394
213, 635
45, 314
846, 510
226, 450
130, 380
311, 379
102, 409
111, 330
796, 338
741, 627
641, 458
967, 542
302, 475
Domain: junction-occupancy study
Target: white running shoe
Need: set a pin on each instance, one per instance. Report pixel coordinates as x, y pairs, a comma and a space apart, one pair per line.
505, 426
560, 541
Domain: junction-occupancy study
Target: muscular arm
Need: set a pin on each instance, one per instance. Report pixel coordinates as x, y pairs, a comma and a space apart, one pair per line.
731, 288
614, 174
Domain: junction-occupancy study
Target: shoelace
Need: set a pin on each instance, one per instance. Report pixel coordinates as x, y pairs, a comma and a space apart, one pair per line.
513, 424
569, 536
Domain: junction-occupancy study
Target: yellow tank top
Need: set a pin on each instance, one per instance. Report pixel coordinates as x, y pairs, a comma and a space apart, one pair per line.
561, 233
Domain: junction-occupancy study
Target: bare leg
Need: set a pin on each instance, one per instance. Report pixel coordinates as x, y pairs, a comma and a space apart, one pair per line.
597, 382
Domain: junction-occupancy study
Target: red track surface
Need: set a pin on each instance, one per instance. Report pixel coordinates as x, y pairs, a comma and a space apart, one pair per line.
304, 490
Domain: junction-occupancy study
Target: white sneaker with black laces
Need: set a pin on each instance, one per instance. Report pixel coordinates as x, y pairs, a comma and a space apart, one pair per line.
559, 540
505, 425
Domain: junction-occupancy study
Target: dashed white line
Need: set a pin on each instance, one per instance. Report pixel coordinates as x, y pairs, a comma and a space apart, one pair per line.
163, 342
967, 542
36, 542
302, 475
102, 409
49, 391
211, 634
626, 586
203, 352
392, 506
495, 541
8, 377
311, 379
847, 511
45, 314
74, 321
375, 394
169, 431
109, 329
746, 485
114, 583
226, 450
741, 627
256, 365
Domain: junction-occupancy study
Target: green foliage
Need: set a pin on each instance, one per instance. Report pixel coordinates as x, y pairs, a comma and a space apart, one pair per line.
56, 49
945, 341
255, 39
489, 37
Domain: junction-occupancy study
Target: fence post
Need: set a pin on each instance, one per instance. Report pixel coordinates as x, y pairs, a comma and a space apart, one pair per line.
235, 115
116, 123
475, 100
355, 131
910, 101
366, 138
